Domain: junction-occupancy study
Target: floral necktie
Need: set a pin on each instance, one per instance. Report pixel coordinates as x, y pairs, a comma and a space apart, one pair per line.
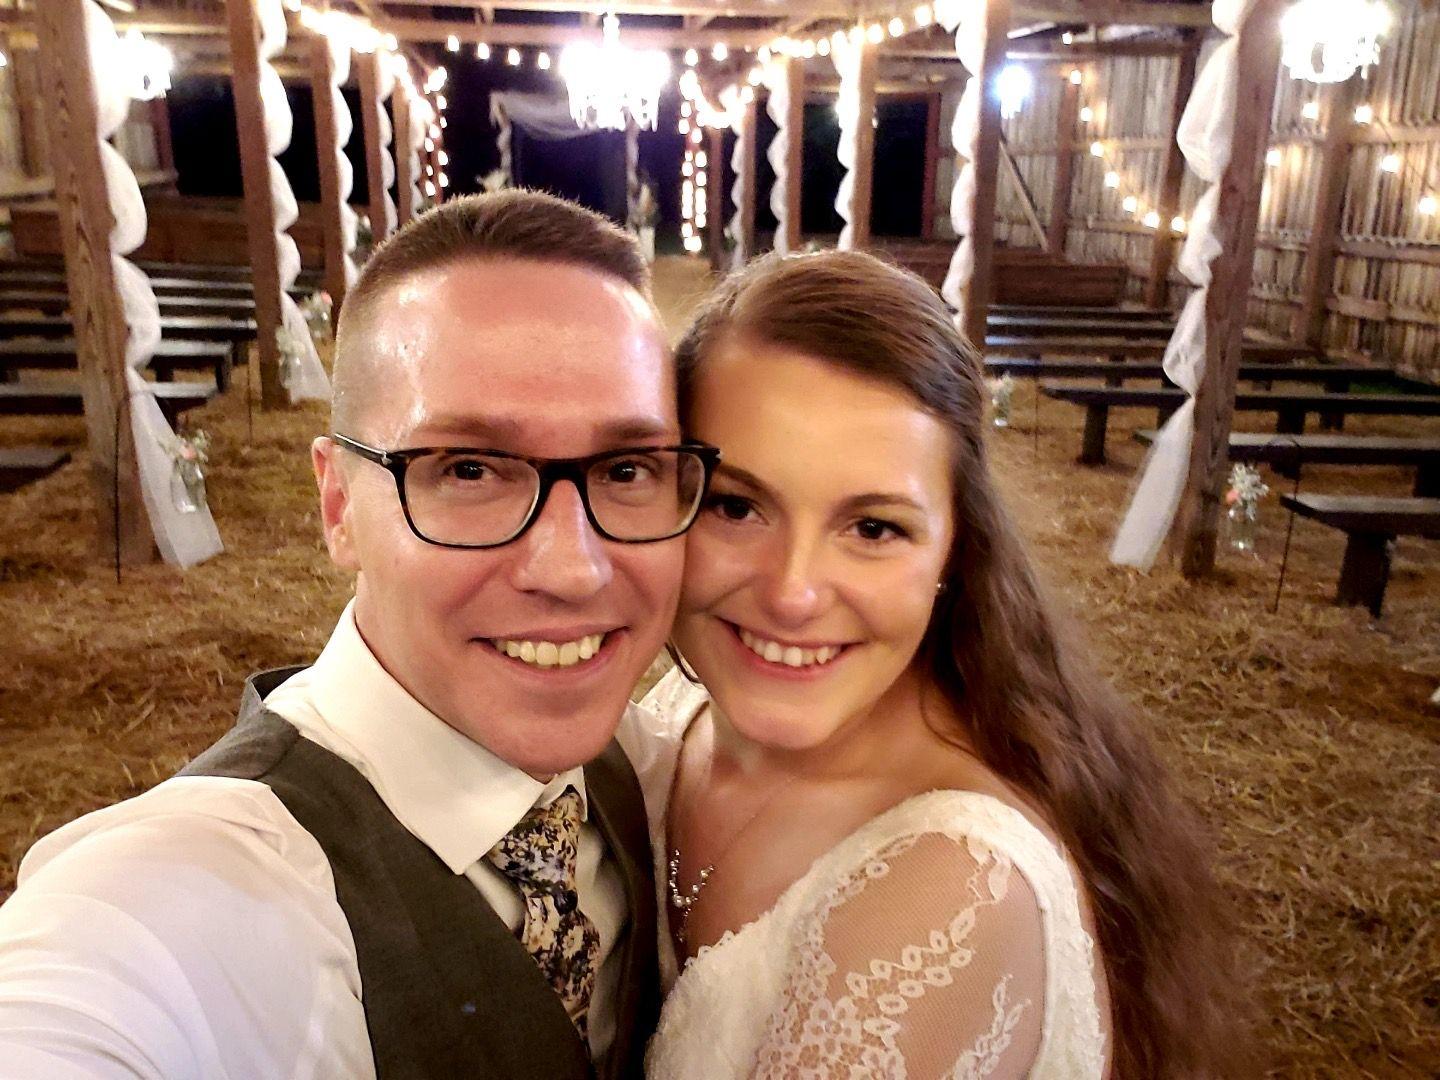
538, 855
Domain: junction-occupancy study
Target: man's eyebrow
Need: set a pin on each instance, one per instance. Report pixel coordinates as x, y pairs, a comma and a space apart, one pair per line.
504, 429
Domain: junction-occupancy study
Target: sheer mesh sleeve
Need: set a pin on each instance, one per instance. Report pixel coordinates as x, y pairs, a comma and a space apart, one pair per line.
925, 961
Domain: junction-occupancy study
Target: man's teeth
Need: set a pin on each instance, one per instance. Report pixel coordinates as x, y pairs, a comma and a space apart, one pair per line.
789, 655
548, 654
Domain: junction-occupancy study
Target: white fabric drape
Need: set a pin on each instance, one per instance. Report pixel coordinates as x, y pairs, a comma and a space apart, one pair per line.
847, 58
778, 153
739, 190
344, 128
1205, 136
183, 539
308, 380
969, 30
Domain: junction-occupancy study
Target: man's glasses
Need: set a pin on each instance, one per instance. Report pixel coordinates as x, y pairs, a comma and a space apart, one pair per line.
469, 498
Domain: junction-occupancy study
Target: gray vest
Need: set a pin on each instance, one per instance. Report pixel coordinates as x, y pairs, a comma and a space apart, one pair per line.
448, 991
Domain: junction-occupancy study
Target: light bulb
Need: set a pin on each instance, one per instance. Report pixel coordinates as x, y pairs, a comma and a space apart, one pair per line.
1311, 111
1112, 179
1152, 220
1077, 77
1429, 205
896, 27
924, 14
513, 57
691, 58
719, 52
1087, 114
875, 33
1390, 163
1364, 114
482, 51
543, 61
1131, 204
1097, 149
452, 43
1273, 157
1067, 38
1177, 224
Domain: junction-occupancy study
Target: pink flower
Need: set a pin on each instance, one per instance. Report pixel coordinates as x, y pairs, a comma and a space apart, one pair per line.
1232, 497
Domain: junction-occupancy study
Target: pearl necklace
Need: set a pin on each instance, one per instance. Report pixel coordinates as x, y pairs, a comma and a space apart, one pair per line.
684, 901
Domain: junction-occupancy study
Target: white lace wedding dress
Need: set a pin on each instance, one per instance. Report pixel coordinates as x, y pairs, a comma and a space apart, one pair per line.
885, 959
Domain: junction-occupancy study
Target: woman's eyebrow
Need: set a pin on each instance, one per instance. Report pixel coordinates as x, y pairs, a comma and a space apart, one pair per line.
734, 472
873, 499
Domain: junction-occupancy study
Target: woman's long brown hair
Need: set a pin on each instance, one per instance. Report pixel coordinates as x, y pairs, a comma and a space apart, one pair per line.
1033, 707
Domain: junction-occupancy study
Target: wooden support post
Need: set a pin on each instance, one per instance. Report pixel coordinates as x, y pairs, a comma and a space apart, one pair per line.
1162, 256
987, 172
1028, 208
1236, 218
244, 24
932, 165
405, 156
1318, 276
101, 332
749, 129
794, 69
367, 72
30, 104
1058, 231
864, 189
715, 196
322, 71
160, 125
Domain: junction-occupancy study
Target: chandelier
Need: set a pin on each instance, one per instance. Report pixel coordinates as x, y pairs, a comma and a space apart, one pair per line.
1327, 41
610, 85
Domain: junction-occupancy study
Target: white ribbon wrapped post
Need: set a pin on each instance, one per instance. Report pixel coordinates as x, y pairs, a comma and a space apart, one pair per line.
739, 190
778, 153
969, 30
1205, 136
344, 128
183, 539
847, 58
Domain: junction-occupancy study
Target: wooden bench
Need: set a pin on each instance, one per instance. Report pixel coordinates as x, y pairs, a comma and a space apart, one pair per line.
1334, 377
22, 280
1371, 526
65, 399
52, 302
1288, 453
1045, 326
236, 333
58, 354
1290, 408
21, 465
1072, 311
1125, 348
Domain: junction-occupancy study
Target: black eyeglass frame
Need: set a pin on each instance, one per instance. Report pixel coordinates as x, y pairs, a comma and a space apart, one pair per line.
549, 470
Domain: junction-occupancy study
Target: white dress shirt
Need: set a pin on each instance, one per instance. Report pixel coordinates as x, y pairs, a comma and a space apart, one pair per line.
193, 931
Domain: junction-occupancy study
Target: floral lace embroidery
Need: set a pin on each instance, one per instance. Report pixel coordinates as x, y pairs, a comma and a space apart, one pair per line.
814, 1036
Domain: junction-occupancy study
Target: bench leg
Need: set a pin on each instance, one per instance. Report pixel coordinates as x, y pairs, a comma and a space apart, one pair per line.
1115, 380
164, 372
9, 374
1365, 571
223, 367
1163, 414
1334, 421
1427, 482
1290, 422
1092, 450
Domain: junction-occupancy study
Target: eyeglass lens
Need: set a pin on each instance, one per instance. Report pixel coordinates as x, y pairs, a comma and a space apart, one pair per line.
469, 498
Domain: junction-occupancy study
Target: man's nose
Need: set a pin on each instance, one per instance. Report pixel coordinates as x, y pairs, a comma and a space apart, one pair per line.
561, 554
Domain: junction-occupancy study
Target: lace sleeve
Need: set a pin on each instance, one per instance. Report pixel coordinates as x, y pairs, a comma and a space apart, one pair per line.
925, 961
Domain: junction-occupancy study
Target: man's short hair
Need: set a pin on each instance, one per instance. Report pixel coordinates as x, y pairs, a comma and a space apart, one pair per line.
511, 224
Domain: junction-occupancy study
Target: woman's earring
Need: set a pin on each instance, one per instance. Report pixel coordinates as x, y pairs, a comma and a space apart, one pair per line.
939, 587
685, 669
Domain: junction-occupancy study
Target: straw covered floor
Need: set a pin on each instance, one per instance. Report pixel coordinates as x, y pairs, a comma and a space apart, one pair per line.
1304, 735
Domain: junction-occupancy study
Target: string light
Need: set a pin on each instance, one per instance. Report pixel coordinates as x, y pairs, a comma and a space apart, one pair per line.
1364, 114
896, 27
1273, 157
452, 44
1112, 179
691, 58
875, 33
1342, 35
542, 61
1067, 38
1177, 224
1311, 110
1152, 220
719, 52
512, 57
1390, 163
1130, 203
1077, 77
482, 51
1429, 205
1097, 149
1087, 114
924, 15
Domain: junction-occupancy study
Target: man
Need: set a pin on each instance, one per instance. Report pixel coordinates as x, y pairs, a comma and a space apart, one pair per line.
423, 856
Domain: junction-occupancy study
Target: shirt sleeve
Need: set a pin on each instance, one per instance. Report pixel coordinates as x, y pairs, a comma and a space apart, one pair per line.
166, 943
926, 961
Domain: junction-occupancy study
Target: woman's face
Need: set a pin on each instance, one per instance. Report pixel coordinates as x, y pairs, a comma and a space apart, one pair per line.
812, 570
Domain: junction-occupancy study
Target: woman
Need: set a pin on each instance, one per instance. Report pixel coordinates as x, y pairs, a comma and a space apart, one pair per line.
902, 829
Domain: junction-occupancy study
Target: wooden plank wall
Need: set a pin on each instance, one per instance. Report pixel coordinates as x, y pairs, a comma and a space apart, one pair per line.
1386, 302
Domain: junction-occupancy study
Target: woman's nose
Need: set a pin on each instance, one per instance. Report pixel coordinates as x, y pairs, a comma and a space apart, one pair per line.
793, 587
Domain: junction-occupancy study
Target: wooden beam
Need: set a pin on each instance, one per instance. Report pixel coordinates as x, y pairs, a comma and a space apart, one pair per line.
987, 173
1078, 53
794, 75
715, 196
327, 130
1028, 208
1318, 275
30, 109
557, 35
101, 332
160, 125
244, 22
400, 106
1236, 217
1162, 255
367, 73
933, 109
749, 132
864, 188
1058, 232
1114, 12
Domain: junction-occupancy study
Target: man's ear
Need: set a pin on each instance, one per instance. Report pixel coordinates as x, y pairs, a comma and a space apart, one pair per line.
335, 507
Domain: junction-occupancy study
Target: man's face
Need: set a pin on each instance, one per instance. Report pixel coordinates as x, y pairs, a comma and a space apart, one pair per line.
539, 360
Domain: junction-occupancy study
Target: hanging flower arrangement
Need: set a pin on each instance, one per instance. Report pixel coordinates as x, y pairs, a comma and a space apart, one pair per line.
1002, 391
1243, 499
189, 454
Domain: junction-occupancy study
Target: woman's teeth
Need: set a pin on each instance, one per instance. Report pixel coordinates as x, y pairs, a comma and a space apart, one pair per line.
548, 654
789, 655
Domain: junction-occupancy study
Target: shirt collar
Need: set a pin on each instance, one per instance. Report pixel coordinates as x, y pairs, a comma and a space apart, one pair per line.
454, 795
